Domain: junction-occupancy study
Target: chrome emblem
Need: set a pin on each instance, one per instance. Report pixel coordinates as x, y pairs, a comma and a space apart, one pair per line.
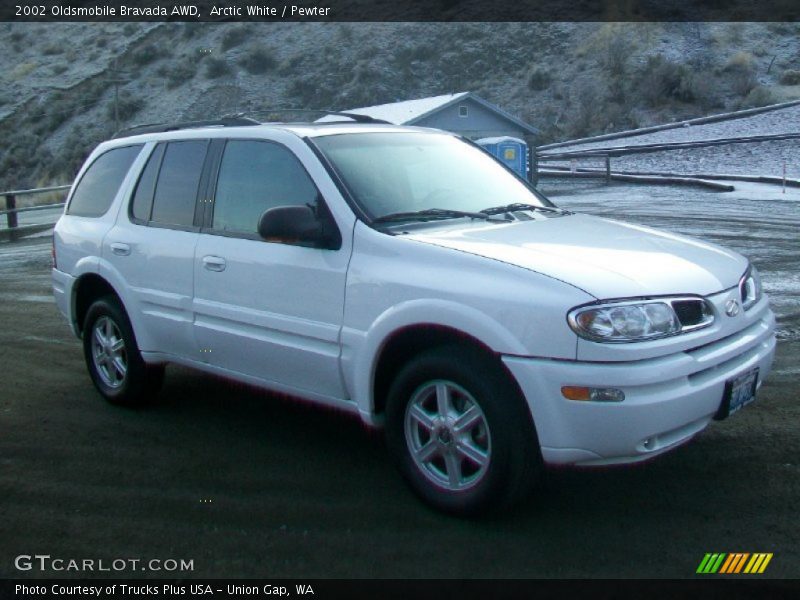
731, 308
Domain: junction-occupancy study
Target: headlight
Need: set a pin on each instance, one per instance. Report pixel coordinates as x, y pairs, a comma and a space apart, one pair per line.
750, 288
634, 321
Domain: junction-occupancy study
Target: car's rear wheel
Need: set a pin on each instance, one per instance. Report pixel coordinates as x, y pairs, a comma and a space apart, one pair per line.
460, 432
112, 356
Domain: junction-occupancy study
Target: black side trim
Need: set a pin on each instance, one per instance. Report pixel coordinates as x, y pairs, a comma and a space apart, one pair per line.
208, 184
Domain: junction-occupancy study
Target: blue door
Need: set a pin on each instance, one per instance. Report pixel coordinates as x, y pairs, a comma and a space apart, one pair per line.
510, 150
513, 154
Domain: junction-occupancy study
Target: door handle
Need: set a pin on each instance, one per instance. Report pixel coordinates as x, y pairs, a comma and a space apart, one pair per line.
120, 249
214, 263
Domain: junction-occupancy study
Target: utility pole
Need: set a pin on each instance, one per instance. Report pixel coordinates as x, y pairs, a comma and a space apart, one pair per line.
118, 79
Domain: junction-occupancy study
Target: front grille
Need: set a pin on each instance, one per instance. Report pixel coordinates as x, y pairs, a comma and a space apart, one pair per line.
692, 313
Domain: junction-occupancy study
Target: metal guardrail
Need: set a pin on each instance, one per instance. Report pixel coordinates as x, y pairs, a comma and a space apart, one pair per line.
606, 158
11, 211
31, 208
615, 151
608, 152
729, 116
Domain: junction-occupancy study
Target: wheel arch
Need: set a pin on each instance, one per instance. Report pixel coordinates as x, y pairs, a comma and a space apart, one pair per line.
406, 343
88, 288
409, 341
397, 331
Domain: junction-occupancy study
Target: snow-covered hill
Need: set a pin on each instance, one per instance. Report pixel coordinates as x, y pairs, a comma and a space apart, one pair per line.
568, 79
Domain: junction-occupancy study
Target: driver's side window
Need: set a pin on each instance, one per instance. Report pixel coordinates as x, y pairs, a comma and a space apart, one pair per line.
253, 177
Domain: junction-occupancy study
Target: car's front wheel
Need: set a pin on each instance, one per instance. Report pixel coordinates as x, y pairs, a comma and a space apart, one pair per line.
460, 432
112, 356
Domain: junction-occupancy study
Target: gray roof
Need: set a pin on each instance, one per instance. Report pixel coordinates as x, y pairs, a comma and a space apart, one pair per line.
410, 112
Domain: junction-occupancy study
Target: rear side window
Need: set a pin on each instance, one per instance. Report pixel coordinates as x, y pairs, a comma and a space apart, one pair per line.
100, 183
255, 176
178, 181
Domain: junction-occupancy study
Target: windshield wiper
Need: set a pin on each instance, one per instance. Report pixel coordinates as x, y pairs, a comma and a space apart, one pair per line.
433, 213
504, 208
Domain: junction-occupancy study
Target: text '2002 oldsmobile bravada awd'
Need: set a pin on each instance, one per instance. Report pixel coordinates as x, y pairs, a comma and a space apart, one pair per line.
405, 275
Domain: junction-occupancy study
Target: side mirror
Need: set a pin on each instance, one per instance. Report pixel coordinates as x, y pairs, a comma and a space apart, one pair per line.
294, 224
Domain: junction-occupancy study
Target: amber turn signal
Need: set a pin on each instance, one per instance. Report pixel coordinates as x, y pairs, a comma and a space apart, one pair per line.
572, 392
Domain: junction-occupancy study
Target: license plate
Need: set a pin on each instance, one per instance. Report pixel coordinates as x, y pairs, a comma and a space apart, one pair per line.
739, 392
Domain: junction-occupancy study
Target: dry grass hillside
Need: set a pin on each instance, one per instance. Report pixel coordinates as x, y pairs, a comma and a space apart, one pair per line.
568, 79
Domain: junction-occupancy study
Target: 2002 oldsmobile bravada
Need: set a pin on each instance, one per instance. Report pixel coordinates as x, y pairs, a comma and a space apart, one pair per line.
405, 275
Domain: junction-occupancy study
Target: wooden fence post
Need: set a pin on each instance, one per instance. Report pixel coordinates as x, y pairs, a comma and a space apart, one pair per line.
11, 204
608, 169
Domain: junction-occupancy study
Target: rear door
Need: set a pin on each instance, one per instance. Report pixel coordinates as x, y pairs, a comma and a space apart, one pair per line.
271, 310
88, 217
152, 247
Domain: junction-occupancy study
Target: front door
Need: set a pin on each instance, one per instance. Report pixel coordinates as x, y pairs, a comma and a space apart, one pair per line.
270, 310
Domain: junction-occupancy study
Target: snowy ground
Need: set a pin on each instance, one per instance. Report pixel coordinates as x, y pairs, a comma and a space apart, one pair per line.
757, 158
755, 219
752, 159
774, 122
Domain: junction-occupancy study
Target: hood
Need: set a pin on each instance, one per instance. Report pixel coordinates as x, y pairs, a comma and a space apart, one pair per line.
605, 258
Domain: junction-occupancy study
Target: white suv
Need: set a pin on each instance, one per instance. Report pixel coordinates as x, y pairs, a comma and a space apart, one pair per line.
405, 275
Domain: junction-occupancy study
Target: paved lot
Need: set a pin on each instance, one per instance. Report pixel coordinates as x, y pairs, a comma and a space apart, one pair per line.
249, 484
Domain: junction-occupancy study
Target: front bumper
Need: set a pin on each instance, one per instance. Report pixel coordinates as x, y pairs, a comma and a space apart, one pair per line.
668, 399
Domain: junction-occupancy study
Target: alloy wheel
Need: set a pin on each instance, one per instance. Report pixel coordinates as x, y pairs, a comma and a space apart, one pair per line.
448, 435
109, 353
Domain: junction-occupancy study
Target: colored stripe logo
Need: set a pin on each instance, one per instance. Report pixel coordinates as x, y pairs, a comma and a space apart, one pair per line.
734, 563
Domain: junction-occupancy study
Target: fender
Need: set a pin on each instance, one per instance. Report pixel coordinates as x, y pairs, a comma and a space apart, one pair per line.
361, 349
113, 277
88, 265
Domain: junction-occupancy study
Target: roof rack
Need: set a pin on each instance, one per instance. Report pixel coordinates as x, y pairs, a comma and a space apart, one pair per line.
228, 121
239, 120
356, 117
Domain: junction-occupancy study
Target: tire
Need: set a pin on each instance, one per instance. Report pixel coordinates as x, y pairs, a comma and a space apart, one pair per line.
484, 455
113, 359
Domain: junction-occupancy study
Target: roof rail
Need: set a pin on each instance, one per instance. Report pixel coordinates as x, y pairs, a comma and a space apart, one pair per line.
356, 117
228, 121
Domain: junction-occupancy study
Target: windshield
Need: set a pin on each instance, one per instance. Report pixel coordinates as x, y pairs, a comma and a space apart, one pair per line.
391, 173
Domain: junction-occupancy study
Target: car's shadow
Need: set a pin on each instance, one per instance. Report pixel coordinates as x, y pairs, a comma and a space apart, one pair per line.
265, 438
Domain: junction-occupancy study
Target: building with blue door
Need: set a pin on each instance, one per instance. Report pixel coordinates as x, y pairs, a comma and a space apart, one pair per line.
464, 113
